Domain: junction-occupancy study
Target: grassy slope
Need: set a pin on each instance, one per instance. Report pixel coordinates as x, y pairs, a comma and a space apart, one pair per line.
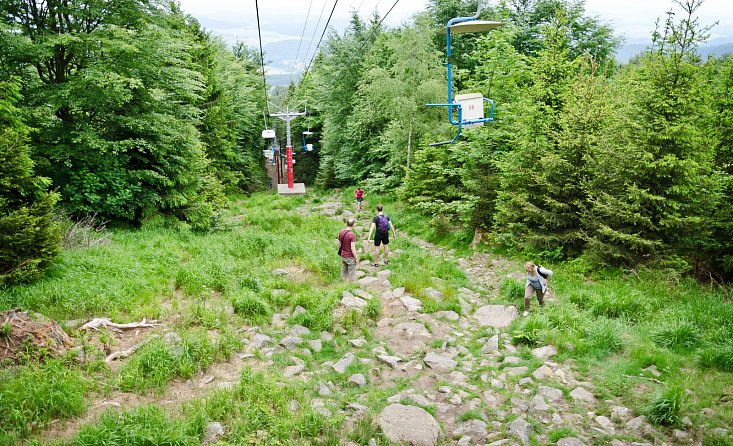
612, 326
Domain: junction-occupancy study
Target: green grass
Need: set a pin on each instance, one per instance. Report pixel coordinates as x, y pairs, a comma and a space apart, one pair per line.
35, 394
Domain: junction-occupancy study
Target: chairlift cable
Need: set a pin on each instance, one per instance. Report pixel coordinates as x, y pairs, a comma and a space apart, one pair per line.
262, 55
300, 42
358, 51
315, 30
315, 52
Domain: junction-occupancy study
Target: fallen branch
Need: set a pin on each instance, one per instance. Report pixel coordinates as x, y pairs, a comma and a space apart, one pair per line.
103, 322
125, 353
644, 377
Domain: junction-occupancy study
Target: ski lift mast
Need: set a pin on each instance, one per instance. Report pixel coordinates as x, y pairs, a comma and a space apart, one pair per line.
287, 116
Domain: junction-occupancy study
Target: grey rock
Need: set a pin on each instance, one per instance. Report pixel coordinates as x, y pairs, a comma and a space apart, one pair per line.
680, 435
261, 340
538, 404
409, 425
358, 380
293, 370
438, 362
581, 394
344, 362
498, 316
474, 429
390, 360
542, 372
316, 345
326, 336
298, 311
652, 369
491, 346
411, 303
291, 342
357, 342
350, 301
363, 294
323, 389
639, 425
449, 315
173, 343
411, 329
434, 294
294, 406
545, 352
280, 272
521, 429
520, 405
511, 360
516, 371
369, 282
551, 393
605, 423
569, 441
398, 292
620, 413
226, 385
525, 381
356, 407
214, 430
299, 330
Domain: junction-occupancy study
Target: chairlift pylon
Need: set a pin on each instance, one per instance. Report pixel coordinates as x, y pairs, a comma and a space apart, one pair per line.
468, 108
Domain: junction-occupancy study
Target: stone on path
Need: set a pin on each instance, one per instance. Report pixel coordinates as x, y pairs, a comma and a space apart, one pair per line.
293, 370
516, 371
545, 352
569, 441
474, 429
390, 360
214, 430
358, 380
450, 315
398, 292
492, 345
620, 413
437, 362
260, 340
521, 429
498, 316
369, 282
316, 345
551, 393
350, 301
409, 425
542, 372
290, 342
411, 329
344, 362
411, 303
580, 394
434, 294
298, 311
299, 330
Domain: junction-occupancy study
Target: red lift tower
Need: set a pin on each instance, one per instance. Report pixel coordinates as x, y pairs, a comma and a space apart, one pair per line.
290, 187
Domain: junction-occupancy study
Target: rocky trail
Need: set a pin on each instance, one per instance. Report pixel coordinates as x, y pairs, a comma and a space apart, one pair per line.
449, 378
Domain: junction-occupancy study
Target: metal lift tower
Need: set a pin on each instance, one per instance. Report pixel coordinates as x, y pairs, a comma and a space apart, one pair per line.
290, 188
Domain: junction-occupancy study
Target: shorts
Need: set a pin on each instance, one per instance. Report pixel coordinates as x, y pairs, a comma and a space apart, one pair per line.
380, 238
359, 200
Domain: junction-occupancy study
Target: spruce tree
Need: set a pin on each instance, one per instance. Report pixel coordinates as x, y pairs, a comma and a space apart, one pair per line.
29, 238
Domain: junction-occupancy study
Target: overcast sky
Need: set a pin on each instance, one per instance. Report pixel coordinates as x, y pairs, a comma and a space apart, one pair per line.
284, 21
631, 18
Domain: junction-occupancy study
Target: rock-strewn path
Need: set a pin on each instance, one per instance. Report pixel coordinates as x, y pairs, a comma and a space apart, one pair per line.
493, 396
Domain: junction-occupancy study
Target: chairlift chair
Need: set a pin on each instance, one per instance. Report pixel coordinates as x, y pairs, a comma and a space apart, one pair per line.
307, 147
465, 110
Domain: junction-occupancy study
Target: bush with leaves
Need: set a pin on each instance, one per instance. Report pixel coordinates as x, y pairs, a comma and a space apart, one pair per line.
29, 237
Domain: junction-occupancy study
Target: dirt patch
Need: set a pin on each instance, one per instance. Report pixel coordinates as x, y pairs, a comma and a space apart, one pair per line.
19, 333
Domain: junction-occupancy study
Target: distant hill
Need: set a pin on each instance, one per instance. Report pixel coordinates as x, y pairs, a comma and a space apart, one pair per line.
626, 52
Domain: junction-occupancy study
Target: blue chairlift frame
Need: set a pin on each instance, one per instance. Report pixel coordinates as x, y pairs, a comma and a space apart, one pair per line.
454, 107
305, 145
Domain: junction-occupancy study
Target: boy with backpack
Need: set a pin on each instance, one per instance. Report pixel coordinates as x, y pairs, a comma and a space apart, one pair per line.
382, 224
536, 284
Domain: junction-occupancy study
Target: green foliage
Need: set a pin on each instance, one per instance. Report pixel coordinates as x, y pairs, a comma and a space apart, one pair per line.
665, 407
512, 290
29, 237
32, 395
146, 424
718, 356
559, 433
250, 305
679, 335
157, 362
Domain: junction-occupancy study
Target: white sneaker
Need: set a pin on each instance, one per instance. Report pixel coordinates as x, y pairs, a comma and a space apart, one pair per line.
525, 314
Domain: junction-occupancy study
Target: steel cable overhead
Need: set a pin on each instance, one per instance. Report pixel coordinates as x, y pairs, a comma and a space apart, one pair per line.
262, 58
297, 53
315, 52
315, 30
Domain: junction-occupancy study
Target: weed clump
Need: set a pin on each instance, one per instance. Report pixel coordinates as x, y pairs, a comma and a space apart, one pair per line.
679, 336
665, 407
250, 305
719, 357
512, 290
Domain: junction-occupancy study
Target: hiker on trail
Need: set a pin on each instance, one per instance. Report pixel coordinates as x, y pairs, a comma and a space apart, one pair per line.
381, 236
536, 284
359, 198
347, 251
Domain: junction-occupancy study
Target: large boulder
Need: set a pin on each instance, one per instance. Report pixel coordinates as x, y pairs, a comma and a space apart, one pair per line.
409, 425
498, 316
